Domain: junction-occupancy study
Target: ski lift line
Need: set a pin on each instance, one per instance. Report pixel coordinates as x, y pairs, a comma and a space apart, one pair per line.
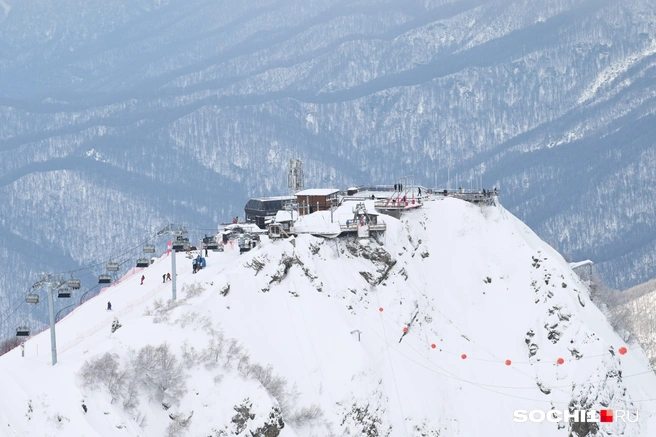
497, 359
389, 356
21, 302
314, 352
488, 387
7, 319
24, 319
481, 386
66, 307
125, 252
559, 388
529, 376
87, 292
298, 343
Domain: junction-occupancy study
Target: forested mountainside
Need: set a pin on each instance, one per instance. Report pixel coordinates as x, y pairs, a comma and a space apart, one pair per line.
119, 116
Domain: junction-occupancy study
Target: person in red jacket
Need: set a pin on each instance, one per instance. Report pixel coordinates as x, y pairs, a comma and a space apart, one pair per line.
143, 278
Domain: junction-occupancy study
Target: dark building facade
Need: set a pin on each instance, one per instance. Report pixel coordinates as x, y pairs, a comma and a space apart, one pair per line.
260, 209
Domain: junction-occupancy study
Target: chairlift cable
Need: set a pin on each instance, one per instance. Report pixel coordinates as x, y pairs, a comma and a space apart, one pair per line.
20, 301
119, 255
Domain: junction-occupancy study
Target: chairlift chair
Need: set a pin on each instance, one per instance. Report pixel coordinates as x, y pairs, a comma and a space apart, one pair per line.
22, 331
112, 267
32, 298
149, 248
64, 292
74, 284
104, 279
143, 262
177, 245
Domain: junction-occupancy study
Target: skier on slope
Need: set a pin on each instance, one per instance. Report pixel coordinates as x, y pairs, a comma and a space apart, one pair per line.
109, 306
143, 278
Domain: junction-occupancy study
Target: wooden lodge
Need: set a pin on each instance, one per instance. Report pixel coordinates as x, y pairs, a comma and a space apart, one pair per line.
316, 199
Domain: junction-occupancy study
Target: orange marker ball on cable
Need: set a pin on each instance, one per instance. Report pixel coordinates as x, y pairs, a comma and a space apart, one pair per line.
560, 361
463, 356
508, 362
622, 350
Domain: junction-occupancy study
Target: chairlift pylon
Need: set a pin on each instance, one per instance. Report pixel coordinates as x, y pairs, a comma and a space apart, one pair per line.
104, 279
22, 331
143, 262
149, 248
112, 266
32, 298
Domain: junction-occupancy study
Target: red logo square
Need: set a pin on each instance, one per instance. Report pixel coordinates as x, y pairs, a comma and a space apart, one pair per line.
606, 415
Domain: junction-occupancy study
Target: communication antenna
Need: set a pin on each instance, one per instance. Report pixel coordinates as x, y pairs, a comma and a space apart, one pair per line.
295, 177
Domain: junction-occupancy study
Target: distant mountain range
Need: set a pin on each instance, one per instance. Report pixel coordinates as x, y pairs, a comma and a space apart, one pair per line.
121, 116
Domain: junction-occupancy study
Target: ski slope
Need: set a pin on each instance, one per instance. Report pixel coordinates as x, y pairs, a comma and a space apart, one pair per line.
458, 278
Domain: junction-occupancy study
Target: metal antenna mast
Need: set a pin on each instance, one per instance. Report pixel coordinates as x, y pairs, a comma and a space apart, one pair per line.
295, 177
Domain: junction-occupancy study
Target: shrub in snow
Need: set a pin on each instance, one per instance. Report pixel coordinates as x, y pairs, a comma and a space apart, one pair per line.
179, 426
157, 370
162, 311
234, 352
104, 372
274, 384
9, 344
192, 290
153, 370
286, 263
256, 265
115, 325
305, 416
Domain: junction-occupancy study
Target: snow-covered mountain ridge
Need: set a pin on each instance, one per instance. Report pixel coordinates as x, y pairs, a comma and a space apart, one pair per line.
183, 109
267, 342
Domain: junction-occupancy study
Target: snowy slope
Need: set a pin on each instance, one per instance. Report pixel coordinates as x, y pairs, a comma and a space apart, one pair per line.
265, 339
636, 311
